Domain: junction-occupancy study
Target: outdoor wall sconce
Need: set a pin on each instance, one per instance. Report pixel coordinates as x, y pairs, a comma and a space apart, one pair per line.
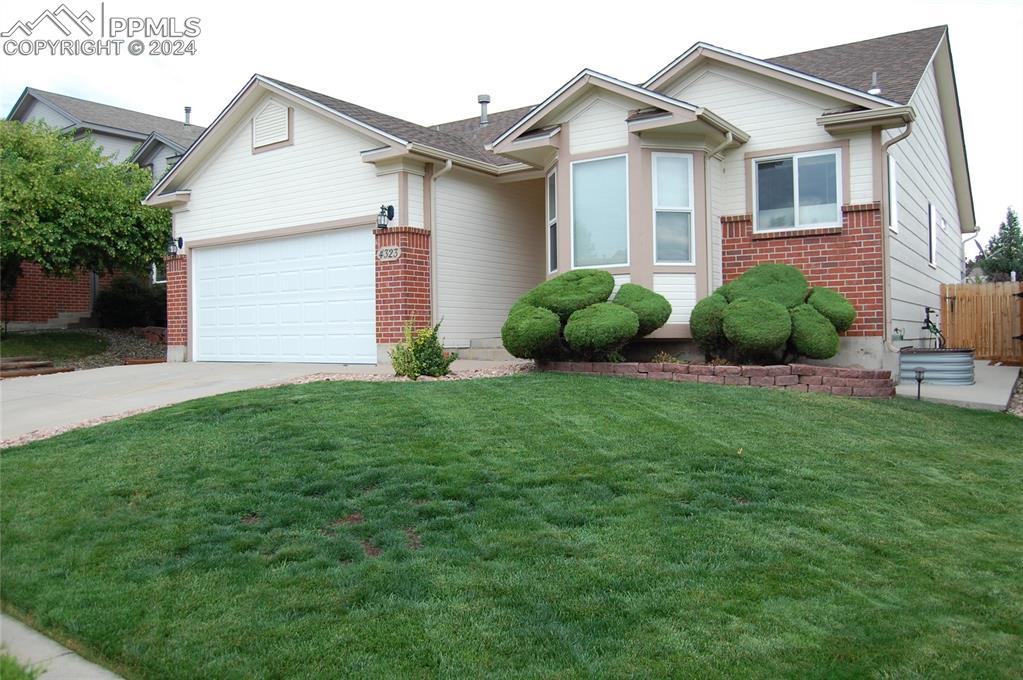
175, 245
919, 371
385, 215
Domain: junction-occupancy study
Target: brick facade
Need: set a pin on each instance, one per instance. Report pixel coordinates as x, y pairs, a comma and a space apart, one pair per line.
37, 298
846, 258
403, 285
848, 382
177, 300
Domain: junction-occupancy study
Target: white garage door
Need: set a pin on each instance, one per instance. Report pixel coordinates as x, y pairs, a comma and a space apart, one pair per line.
304, 298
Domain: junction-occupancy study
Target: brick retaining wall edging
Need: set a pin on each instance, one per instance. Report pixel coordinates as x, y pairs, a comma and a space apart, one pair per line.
849, 382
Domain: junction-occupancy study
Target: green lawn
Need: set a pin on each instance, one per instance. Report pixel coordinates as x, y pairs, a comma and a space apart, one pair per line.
531, 526
10, 669
52, 345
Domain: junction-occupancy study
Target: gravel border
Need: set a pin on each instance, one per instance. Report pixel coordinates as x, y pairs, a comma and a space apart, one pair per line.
121, 345
473, 374
1015, 406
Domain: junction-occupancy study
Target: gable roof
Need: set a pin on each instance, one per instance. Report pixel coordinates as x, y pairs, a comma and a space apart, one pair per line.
470, 129
405, 131
86, 113
899, 60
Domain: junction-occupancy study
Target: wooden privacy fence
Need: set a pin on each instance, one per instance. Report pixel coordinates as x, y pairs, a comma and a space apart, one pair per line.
986, 317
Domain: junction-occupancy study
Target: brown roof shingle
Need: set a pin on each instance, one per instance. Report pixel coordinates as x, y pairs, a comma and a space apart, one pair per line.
899, 61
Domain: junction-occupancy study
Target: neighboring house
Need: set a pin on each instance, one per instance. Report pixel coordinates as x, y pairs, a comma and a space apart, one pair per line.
150, 141
847, 162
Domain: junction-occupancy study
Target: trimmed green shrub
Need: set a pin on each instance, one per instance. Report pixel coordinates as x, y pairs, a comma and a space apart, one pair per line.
813, 335
756, 326
652, 308
571, 291
705, 322
773, 281
834, 307
131, 301
531, 332
601, 329
421, 354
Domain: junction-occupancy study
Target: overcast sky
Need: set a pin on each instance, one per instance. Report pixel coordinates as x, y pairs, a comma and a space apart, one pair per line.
426, 62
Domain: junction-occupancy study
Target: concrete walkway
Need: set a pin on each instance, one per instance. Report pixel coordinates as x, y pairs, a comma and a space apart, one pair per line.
990, 391
35, 650
46, 402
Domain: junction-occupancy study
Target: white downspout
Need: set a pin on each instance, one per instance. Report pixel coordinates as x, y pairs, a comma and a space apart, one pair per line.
448, 165
885, 255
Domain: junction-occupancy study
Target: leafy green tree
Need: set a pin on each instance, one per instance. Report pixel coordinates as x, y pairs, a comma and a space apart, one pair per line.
1004, 252
67, 208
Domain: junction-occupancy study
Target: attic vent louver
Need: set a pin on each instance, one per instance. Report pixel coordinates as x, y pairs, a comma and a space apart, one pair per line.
270, 125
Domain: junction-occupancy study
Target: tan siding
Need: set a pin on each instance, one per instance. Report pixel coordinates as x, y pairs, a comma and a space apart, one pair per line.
715, 180
489, 244
598, 123
776, 115
680, 290
415, 200
321, 177
924, 176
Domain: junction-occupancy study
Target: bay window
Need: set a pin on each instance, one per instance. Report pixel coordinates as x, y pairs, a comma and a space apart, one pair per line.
673, 208
797, 191
600, 212
552, 221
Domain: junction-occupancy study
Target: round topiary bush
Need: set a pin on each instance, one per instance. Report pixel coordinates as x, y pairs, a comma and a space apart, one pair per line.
756, 326
773, 281
706, 320
652, 308
813, 335
834, 307
571, 291
531, 332
600, 329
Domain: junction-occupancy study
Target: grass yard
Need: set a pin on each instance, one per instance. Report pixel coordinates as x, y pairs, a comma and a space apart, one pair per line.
531, 526
52, 345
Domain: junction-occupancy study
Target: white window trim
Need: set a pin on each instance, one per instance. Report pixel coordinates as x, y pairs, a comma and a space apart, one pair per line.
893, 195
549, 221
571, 212
932, 226
690, 210
839, 179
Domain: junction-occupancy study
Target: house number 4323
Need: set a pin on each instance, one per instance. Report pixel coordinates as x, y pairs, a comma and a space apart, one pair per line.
389, 253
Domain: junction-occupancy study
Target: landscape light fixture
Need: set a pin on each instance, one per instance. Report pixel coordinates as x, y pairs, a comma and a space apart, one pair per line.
919, 371
385, 215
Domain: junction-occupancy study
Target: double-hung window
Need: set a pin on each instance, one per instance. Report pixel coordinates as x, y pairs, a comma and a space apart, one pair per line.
600, 212
673, 208
797, 191
552, 221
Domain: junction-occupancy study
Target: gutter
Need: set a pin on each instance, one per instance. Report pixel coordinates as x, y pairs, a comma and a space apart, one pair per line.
886, 311
448, 167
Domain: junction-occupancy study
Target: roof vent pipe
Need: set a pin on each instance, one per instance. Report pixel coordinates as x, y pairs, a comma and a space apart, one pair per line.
875, 88
483, 99
188, 115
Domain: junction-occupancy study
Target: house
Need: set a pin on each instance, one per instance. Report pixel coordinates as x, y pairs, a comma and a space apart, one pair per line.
847, 161
150, 141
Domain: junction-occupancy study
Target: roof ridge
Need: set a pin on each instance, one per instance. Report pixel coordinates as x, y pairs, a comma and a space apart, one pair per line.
858, 42
32, 90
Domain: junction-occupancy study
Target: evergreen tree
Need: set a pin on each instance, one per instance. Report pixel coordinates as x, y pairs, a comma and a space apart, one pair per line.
1004, 252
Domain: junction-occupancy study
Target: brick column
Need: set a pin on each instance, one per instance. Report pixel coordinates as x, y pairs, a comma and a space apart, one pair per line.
177, 307
846, 258
403, 285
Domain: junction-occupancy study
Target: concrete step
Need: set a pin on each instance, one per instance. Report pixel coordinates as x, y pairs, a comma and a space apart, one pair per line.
486, 343
479, 354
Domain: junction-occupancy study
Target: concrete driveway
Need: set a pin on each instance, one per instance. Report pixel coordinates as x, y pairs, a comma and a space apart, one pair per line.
46, 402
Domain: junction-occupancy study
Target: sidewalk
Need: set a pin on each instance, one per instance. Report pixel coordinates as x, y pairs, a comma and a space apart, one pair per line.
56, 661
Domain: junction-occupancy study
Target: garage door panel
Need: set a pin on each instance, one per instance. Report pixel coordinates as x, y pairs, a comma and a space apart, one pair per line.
304, 298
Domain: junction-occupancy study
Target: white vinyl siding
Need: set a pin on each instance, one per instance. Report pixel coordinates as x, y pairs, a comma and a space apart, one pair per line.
599, 124
308, 298
776, 115
38, 110
924, 177
270, 125
415, 200
893, 194
321, 177
620, 280
680, 291
489, 250
932, 234
715, 180
673, 207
